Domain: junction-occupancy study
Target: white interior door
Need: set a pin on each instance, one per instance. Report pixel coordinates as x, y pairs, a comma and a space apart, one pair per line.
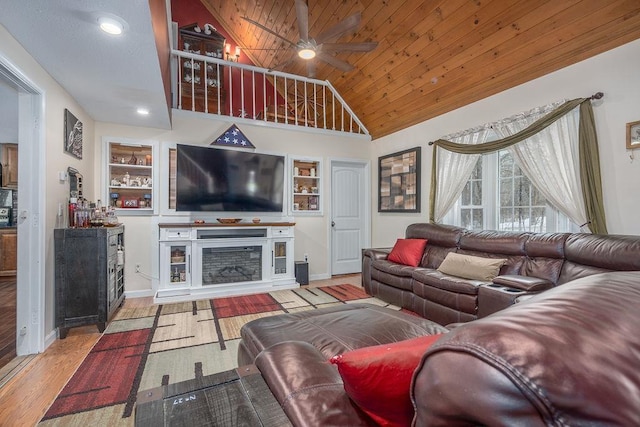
350, 215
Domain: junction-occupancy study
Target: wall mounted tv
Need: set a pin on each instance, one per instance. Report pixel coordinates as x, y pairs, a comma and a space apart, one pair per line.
218, 180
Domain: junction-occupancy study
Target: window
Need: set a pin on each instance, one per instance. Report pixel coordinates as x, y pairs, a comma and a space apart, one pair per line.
498, 196
471, 208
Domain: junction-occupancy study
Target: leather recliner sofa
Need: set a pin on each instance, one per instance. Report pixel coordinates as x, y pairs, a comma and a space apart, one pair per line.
567, 356
535, 262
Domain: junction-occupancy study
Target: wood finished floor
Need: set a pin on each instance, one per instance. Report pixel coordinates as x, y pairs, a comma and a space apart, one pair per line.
8, 294
27, 396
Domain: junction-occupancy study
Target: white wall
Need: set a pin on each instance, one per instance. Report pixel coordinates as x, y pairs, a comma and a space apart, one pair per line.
311, 232
8, 113
56, 100
614, 72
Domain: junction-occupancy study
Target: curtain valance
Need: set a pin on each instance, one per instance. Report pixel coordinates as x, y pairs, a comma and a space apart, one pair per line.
588, 157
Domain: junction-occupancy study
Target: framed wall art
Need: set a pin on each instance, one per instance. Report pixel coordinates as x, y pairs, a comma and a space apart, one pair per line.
72, 134
399, 181
633, 135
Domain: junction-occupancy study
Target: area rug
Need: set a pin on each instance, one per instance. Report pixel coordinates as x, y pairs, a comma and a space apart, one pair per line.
144, 348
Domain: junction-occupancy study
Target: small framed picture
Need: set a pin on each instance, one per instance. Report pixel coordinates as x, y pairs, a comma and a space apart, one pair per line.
72, 134
633, 135
130, 202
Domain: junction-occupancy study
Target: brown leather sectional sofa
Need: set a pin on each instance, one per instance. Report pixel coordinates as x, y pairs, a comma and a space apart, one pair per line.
565, 355
535, 263
568, 356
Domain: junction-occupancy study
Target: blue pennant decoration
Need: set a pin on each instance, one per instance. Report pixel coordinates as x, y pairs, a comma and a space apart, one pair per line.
234, 137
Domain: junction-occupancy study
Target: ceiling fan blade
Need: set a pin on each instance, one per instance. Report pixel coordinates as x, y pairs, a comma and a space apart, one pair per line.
332, 60
257, 24
344, 26
283, 64
302, 13
350, 47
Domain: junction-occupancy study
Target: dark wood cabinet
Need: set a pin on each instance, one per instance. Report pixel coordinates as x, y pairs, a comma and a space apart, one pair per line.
8, 251
202, 84
9, 154
89, 276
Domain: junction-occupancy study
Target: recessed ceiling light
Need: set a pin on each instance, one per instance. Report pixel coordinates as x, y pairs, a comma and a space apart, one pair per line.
110, 25
143, 111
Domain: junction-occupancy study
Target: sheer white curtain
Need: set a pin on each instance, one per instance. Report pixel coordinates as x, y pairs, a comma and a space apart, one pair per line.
550, 159
455, 169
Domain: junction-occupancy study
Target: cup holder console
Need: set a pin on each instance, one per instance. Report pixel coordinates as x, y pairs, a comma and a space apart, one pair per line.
493, 297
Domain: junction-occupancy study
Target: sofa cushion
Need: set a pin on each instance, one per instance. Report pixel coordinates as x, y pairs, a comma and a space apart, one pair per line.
407, 251
392, 268
378, 378
438, 280
471, 267
333, 330
392, 274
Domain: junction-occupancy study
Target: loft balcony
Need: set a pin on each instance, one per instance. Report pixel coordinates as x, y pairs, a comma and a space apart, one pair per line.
240, 92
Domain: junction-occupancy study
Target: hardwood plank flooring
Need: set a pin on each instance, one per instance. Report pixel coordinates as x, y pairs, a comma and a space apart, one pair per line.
8, 295
26, 397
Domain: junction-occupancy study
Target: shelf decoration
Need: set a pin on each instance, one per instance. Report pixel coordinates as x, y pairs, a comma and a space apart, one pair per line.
306, 186
72, 134
130, 176
234, 137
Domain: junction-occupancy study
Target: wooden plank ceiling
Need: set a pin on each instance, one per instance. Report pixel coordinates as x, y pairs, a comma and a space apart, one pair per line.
434, 56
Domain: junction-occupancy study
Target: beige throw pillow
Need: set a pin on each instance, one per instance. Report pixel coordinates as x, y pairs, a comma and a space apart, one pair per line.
471, 267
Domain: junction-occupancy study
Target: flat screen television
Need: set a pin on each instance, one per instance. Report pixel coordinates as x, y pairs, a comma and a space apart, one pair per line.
218, 180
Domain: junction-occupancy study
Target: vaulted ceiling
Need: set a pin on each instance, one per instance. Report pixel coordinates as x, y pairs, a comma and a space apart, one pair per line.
433, 56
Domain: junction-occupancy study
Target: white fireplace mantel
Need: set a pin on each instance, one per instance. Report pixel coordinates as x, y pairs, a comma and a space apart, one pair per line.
199, 261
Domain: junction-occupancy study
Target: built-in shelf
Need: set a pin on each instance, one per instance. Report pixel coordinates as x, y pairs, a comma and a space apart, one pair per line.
130, 172
307, 186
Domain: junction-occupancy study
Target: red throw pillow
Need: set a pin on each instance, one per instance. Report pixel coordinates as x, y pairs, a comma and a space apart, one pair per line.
407, 251
378, 378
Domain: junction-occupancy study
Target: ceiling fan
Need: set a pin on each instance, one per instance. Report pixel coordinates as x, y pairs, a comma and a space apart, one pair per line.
319, 47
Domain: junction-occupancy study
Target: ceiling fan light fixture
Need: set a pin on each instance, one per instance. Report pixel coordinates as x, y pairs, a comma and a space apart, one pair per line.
307, 53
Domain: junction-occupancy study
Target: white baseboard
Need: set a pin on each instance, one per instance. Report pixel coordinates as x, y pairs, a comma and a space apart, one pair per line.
139, 294
221, 290
50, 338
323, 276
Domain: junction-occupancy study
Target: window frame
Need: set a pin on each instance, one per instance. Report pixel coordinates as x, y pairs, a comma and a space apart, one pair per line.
555, 220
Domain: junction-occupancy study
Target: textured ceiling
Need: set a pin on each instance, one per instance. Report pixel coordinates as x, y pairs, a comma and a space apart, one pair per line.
438, 55
433, 56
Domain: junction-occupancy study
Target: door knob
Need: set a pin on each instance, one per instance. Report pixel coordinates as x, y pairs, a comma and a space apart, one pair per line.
333, 223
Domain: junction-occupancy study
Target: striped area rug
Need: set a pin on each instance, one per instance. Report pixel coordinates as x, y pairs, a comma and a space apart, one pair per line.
144, 348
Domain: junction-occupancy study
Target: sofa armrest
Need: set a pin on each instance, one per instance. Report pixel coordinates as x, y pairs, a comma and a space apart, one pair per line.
308, 387
524, 283
368, 256
376, 253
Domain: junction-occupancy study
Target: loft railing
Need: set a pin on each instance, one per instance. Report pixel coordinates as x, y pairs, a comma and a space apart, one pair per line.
212, 85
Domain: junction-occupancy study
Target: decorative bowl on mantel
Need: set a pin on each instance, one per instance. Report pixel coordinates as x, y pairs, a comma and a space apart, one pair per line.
229, 220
